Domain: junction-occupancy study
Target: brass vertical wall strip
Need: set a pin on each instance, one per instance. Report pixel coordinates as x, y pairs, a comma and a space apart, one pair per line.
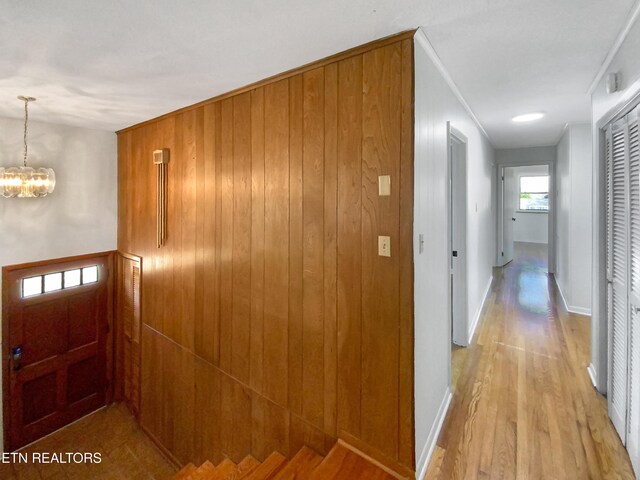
160, 160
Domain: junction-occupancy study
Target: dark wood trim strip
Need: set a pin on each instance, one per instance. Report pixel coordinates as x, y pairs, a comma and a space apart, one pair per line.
374, 456
381, 42
43, 263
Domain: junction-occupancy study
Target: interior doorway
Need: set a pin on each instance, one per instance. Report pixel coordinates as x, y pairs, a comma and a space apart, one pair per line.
525, 207
458, 237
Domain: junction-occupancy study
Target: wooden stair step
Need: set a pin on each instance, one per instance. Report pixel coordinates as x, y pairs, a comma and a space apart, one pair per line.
185, 472
204, 471
300, 466
267, 469
224, 470
245, 467
341, 463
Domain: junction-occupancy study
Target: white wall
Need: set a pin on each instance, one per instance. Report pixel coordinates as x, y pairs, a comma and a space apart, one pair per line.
574, 223
531, 227
626, 62
526, 156
581, 216
80, 215
435, 104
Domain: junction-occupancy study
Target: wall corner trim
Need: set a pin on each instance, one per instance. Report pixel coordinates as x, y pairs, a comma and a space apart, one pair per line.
633, 16
476, 317
422, 39
432, 439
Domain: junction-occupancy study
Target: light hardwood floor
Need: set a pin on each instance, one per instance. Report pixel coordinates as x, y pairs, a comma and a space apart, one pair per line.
524, 406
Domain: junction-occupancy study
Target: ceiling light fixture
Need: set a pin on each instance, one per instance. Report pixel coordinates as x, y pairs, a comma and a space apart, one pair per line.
528, 117
24, 181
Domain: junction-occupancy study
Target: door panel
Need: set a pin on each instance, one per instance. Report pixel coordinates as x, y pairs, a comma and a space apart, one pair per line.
633, 420
128, 338
509, 213
60, 374
619, 276
459, 308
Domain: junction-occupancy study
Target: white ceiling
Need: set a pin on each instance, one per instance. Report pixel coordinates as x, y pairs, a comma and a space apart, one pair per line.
108, 65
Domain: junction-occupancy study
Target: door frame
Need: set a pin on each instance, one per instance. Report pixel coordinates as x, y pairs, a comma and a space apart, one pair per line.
459, 328
598, 369
551, 235
501, 216
6, 347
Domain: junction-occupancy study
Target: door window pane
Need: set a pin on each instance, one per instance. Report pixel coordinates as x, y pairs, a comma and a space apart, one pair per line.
72, 278
31, 286
90, 274
52, 282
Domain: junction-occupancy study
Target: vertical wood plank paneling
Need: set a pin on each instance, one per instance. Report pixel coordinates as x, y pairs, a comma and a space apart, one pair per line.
269, 319
226, 232
349, 275
241, 422
146, 223
218, 231
124, 160
270, 428
381, 129
257, 238
296, 105
330, 245
166, 139
174, 192
241, 321
208, 329
179, 371
276, 239
188, 219
207, 403
200, 195
313, 249
152, 383
226, 414
135, 238
406, 454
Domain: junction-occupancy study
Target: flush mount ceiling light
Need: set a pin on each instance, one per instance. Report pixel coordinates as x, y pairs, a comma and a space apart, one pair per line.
24, 181
528, 117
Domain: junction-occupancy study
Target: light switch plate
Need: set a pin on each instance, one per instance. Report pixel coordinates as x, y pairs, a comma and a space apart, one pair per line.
384, 246
421, 243
384, 185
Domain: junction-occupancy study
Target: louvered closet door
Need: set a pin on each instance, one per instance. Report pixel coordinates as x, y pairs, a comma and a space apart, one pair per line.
617, 263
633, 409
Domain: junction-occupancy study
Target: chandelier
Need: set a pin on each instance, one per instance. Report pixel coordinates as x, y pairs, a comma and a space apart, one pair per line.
26, 182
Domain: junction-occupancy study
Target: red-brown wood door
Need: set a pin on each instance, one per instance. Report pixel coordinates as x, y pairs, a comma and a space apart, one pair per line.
57, 317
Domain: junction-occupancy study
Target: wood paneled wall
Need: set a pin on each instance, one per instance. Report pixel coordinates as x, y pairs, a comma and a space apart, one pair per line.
269, 320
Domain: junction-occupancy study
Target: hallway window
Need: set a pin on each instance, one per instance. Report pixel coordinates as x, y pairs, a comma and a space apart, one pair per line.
534, 194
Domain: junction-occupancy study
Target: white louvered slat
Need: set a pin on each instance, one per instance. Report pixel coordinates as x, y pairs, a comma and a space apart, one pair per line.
633, 421
618, 223
634, 206
609, 206
633, 404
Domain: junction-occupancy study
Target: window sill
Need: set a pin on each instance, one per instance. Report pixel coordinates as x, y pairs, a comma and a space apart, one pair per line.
546, 212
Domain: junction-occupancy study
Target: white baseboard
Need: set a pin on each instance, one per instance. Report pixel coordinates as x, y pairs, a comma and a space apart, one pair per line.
592, 375
432, 439
476, 317
571, 308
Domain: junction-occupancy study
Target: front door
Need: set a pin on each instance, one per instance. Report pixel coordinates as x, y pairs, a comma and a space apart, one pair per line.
56, 322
